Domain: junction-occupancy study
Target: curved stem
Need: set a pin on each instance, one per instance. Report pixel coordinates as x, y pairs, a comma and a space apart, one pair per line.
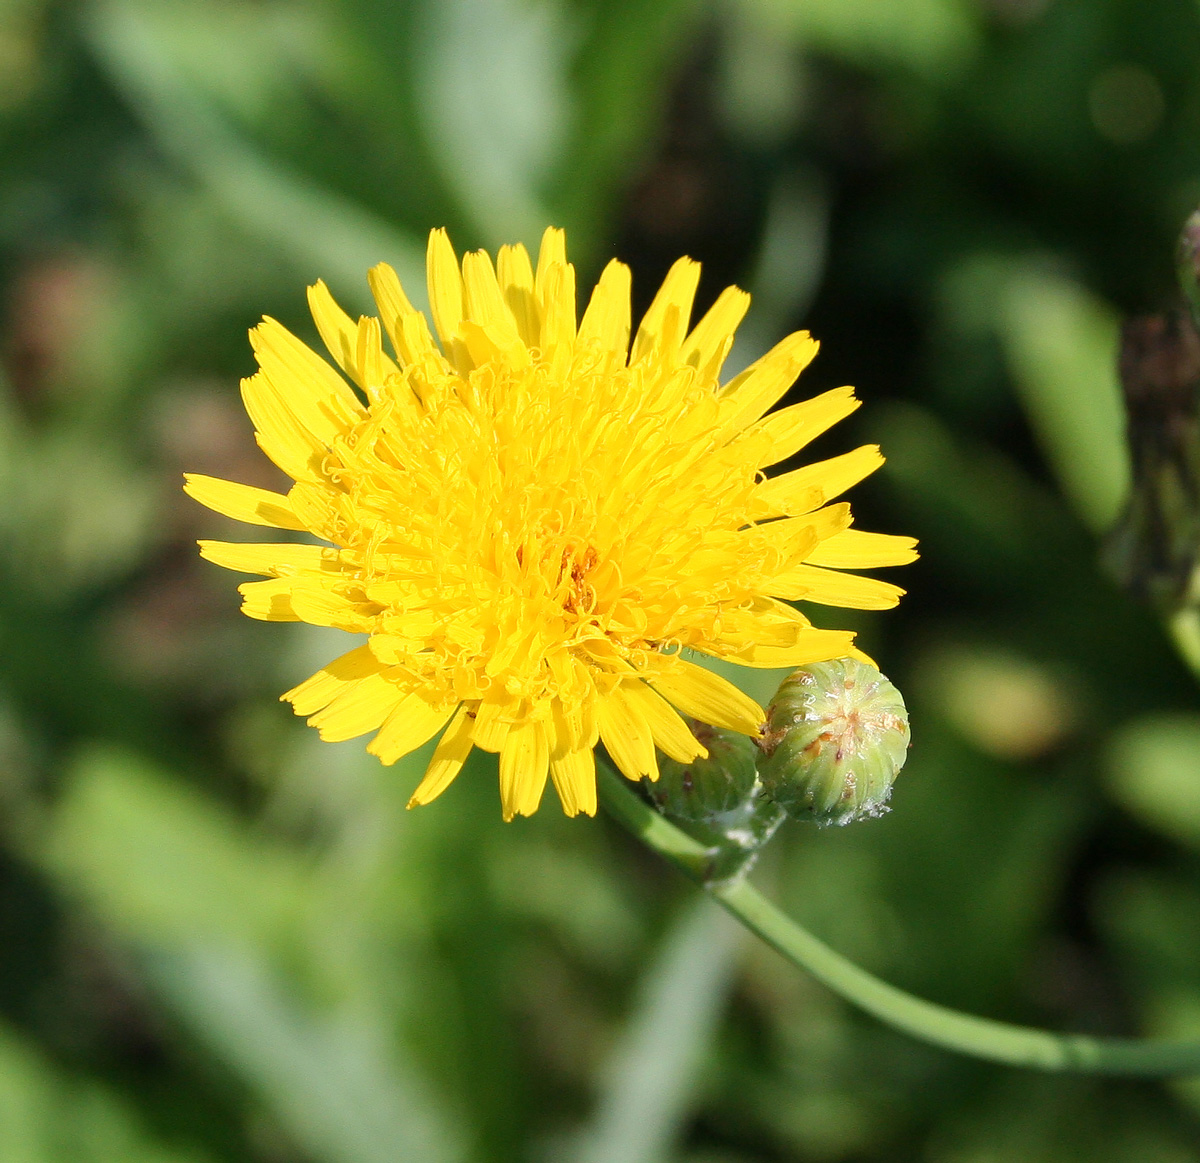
950, 1029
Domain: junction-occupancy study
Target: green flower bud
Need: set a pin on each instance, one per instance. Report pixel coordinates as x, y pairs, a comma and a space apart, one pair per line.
836, 737
718, 800
700, 791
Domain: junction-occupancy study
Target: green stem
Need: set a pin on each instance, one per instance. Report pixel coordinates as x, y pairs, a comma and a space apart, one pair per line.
950, 1029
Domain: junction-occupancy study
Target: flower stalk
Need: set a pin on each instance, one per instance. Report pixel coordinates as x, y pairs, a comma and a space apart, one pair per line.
993, 1041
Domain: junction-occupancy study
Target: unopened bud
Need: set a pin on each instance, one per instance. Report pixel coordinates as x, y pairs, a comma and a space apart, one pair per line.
719, 800
836, 737
705, 789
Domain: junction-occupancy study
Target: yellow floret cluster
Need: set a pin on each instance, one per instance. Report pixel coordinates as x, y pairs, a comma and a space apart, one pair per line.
535, 522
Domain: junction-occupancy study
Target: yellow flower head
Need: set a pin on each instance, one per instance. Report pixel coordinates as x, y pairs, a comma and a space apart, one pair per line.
534, 522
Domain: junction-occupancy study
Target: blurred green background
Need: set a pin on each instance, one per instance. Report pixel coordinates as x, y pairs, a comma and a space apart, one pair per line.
223, 941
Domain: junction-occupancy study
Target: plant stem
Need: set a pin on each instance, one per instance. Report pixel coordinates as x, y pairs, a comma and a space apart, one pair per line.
950, 1029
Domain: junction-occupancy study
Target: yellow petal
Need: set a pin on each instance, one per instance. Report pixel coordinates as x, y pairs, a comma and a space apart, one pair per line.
357, 347
795, 503
373, 366
319, 507
279, 433
671, 734
810, 583
810, 645
828, 521
413, 721
663, 326
272, 560
785, 432
360, 707
515, 273
320, 606
406, 326
799, 536
574, 775
331, 680
242, 502
558, 314
445, 288
337, 329
606, 321
302, 598
318, 397
489, 313
269, 601
410, 631
448, 758
854, 549
574, 724
763, 621
416, 345
709, 336
626, 734
481, 292
706, 696
552, 253
494, 718
524, 764
761, 385
777, 545
792, 492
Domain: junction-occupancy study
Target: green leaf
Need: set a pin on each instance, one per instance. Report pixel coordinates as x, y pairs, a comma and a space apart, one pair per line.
492, 90
1062, 346
1154, 772
57, 488
165, 865
332, 1080
47, 1116
932, 37
324, 234
620, 78
979, 513
649, 1083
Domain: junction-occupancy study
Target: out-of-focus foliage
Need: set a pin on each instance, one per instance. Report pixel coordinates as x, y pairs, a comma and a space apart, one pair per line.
222, 940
